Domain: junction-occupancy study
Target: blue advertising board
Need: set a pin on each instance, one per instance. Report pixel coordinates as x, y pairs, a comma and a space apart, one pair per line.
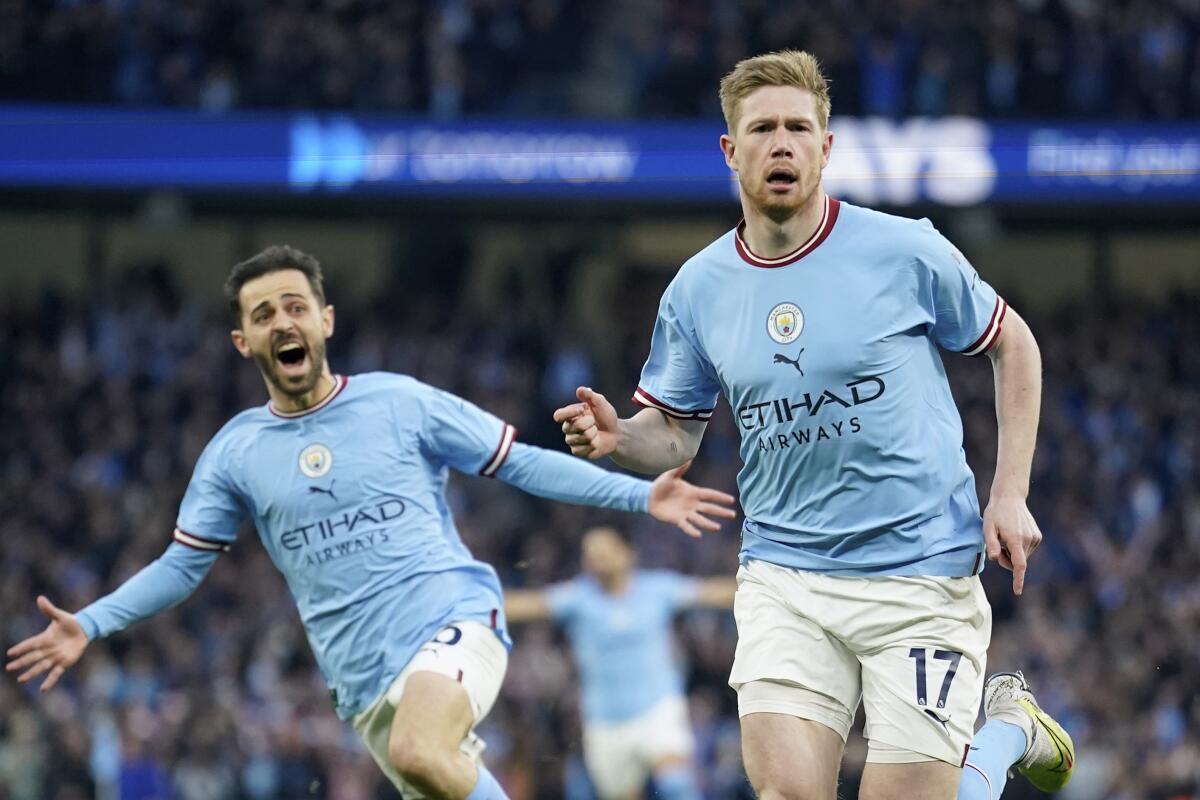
952, 161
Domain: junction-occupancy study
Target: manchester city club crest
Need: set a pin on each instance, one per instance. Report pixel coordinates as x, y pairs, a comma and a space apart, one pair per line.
316, 460
785, 322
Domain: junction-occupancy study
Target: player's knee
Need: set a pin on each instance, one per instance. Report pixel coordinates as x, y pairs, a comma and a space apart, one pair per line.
416, 761
781, 785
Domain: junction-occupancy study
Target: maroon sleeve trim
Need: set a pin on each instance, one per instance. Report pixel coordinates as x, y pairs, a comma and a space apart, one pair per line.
991, 333
644, 398
507, 437
200, 543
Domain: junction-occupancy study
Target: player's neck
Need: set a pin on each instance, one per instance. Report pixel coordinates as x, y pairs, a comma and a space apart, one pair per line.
290, 403
768, 238
615, 584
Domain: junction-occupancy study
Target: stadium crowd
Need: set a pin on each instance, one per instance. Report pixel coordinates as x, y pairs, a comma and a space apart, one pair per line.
1129, 59
106, 407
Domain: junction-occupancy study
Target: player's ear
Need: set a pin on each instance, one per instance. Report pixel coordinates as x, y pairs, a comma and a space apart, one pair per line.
727, 147
327, 320
239, 342
826, 149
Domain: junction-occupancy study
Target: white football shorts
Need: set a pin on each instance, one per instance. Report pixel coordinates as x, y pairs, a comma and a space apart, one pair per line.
913, 649
468, 652
621, 756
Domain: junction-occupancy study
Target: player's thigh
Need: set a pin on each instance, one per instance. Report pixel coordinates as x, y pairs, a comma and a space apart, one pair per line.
456, 675
470, 661
923, 673
782, 642
919, 780
613, 761
797, 685
789, 757
434, 712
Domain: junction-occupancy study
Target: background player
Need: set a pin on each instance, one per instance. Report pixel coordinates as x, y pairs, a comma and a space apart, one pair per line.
344, 479
821, 322
618, 620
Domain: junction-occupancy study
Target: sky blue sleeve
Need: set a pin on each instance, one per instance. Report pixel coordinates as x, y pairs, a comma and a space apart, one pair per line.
162, 583
558, 476
678, 591
966, 309
677, 379
563, 599
464, 436
209, 516
212, 509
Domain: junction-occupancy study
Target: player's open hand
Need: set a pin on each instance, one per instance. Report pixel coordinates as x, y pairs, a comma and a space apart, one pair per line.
590, 426
54, 649
691, 508
1011, 535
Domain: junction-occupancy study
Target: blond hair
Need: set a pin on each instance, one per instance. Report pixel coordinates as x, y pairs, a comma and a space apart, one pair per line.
781, 68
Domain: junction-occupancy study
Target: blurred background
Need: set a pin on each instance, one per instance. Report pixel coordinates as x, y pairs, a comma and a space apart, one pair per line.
499, 190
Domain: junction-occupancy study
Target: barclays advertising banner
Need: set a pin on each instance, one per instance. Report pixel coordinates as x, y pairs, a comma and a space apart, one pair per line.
949, 161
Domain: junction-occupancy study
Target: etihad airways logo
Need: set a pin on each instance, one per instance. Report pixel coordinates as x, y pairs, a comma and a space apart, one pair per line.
778, 411
346, 533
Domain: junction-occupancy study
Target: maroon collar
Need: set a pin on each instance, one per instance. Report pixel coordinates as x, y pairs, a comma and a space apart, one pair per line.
339, 383
829, 217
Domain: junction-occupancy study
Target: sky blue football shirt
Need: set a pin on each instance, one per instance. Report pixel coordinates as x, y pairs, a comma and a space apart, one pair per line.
623, 644
348, 499
850, 440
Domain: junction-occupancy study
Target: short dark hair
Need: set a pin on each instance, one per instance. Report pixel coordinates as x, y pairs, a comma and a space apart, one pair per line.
275, 258
619, 533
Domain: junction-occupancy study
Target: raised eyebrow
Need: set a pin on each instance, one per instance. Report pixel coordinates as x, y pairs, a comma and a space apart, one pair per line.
284, 297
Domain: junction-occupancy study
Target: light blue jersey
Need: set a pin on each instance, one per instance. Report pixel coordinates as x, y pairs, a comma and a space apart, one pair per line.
623, 643
348, 498
850, 440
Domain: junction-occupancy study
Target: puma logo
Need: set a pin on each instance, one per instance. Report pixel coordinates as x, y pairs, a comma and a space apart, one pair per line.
780, 358
329, 491
939, 719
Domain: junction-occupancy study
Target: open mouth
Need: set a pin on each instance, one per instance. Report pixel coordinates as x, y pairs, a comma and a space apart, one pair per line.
292, 358
781, 179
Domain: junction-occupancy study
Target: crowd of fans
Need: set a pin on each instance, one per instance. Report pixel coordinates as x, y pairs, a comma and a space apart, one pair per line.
106, 406
1130, 59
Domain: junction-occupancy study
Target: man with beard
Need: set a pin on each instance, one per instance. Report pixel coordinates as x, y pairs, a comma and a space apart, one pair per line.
345, 480
862, 541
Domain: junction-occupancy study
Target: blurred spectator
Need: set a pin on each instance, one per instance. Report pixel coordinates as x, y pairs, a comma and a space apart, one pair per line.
1015, 58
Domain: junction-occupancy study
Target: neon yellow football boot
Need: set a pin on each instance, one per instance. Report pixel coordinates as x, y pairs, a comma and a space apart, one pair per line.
1050, 756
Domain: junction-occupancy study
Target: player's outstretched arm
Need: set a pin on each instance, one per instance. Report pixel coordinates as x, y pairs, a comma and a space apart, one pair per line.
54, 650
161, 584
525, 605
669, 498
715, 593
1010, 532
649, 442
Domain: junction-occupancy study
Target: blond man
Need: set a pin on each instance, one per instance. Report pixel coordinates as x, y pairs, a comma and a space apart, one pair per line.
821, 323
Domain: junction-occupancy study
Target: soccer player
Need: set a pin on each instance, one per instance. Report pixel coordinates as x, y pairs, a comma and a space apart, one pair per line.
345, 481
821, 323
618, 619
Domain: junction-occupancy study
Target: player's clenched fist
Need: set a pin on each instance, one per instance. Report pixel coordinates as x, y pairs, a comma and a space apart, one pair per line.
590, 427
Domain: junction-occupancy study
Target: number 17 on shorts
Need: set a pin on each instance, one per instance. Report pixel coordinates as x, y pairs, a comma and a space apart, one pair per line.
922, 700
